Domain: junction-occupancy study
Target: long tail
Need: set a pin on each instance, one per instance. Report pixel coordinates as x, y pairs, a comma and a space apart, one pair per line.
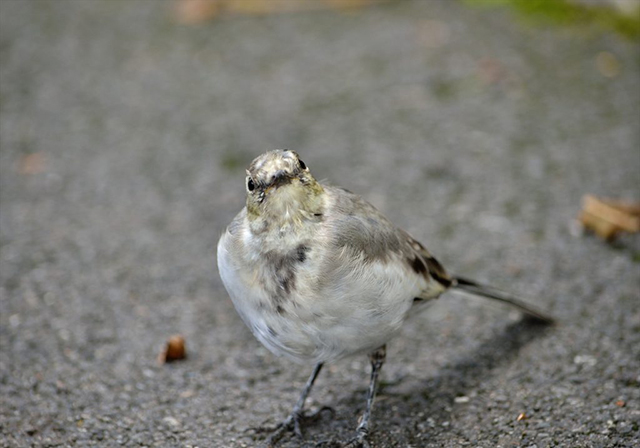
476, 289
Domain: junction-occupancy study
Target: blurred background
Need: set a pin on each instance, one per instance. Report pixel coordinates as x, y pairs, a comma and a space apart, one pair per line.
477, 125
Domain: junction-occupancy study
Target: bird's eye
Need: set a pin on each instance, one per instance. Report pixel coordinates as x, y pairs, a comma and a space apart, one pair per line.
302, 165
250, 185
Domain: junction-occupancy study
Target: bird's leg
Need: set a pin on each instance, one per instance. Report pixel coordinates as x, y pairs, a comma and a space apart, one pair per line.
297, 415
377, 358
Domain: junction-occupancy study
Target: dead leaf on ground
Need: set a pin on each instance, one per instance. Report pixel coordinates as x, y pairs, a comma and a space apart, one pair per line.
191, 12
175, 350
33, 163
607, 218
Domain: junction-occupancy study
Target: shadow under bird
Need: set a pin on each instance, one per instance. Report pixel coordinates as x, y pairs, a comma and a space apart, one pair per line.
319, 274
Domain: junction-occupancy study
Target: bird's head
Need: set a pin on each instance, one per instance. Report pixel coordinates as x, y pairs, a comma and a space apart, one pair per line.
280, 186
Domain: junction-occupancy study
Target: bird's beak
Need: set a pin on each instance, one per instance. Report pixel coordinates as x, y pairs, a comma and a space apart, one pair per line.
278, 179
278, 176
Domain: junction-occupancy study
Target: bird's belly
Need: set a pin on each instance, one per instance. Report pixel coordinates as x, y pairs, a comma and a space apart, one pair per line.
323, 324
314, 318
318, 329
315, 336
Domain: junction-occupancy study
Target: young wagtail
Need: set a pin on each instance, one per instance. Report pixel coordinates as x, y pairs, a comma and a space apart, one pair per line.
318, 274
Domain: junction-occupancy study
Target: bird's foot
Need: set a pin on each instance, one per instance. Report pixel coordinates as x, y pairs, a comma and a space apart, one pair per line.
360, 440
293, 423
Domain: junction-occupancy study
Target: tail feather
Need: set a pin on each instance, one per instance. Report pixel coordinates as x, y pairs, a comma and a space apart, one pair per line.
476, 289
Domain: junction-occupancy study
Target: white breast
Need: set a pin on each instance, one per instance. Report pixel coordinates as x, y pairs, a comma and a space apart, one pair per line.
356, 306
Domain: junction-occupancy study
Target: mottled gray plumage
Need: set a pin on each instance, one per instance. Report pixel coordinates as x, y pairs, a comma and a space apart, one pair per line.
317, 273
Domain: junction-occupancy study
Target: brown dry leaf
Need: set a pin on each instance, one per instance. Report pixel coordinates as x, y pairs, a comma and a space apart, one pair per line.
192, 12
278, 6
607, 218
174, 351
33, 163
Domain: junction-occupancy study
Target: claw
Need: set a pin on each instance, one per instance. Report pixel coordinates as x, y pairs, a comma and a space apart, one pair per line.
292, 423
356, 443
296, 424
359, 441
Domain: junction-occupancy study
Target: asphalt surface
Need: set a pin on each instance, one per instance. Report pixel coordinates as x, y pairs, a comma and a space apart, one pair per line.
124, 138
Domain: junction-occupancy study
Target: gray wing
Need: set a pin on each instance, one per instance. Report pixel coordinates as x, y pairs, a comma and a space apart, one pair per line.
360, 227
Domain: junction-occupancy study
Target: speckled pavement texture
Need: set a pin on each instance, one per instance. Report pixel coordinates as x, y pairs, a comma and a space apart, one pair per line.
123, 142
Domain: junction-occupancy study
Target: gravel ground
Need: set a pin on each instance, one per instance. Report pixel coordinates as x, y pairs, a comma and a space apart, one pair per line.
124, 139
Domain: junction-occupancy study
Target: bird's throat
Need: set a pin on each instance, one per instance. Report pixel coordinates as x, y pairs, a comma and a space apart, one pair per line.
287, 209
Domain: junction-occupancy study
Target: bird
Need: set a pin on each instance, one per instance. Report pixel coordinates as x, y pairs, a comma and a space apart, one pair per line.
319, 274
